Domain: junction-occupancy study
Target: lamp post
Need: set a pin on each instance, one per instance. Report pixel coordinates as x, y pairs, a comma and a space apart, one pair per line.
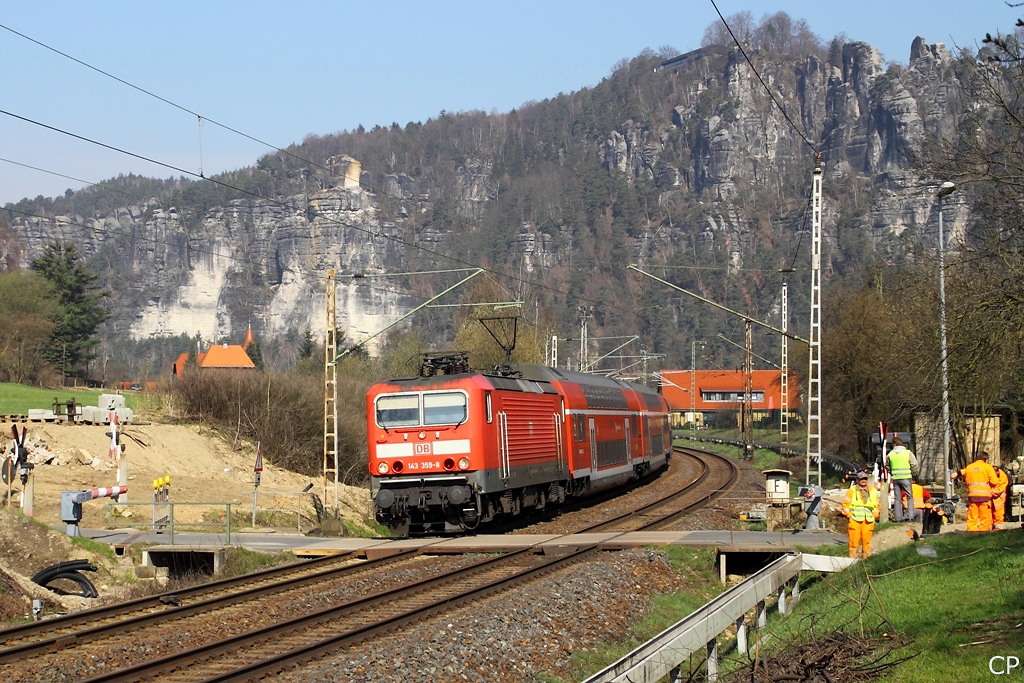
945, 189
693, 387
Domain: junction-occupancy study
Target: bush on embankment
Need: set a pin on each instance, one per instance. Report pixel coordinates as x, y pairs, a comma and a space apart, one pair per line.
284, 412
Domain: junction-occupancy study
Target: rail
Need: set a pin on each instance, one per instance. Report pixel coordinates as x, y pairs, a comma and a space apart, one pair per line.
168, 523
662, 655
848, 465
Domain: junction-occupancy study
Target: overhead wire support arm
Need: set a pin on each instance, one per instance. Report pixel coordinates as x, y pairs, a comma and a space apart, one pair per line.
718, 305
741, 346
423, 305
624, 344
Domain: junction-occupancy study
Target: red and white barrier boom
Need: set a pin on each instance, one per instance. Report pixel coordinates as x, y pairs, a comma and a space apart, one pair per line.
71, 504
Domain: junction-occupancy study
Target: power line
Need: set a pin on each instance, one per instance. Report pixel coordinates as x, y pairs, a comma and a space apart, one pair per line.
761, 80
281, 203
154, 95
77, 180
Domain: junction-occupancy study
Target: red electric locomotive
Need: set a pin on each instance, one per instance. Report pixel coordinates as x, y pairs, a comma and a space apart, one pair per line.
451, 452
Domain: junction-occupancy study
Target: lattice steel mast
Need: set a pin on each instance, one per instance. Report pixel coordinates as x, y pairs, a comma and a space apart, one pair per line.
814, 355
331, 395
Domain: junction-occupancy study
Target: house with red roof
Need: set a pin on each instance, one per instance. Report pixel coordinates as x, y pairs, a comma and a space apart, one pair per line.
718, 392
220, 357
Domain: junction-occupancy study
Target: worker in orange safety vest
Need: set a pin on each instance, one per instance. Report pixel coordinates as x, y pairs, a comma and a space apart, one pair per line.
981, 483
921, 498
999, 498
861, 509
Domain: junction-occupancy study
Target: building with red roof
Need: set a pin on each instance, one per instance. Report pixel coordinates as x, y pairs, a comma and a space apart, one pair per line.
719, 391
220, 357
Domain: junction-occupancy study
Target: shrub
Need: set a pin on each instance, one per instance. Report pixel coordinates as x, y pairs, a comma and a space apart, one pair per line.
283, 411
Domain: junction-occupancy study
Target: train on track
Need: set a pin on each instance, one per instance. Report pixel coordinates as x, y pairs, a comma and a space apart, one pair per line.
453, 450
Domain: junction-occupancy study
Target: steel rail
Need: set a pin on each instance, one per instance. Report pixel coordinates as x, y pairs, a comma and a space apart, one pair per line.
276, 635
675, 496
16, 633
94, 631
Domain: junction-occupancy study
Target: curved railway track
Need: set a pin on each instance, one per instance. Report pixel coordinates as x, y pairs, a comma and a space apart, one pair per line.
718, 476
260, 648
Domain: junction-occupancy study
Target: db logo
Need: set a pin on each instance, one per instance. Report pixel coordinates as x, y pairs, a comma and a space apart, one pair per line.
1000, 665
422, 449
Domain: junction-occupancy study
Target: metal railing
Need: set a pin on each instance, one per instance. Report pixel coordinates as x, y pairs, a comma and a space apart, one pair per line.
662, 655
168, 523
297, 510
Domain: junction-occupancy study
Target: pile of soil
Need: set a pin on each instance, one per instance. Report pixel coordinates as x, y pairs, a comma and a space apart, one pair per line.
203, 464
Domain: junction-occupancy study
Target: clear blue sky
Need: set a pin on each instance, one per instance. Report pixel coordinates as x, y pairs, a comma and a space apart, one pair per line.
280, 71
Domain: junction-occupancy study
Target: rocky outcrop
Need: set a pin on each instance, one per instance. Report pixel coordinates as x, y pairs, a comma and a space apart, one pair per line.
264, 260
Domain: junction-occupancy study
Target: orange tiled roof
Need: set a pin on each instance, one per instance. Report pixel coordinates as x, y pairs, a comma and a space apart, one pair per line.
226, 356
675, 387
249, 338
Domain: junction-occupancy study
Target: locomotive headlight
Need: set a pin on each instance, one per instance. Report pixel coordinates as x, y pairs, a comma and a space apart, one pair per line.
382, 467
463, 463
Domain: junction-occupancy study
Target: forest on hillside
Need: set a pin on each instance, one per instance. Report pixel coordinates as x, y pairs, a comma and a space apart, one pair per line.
696, 175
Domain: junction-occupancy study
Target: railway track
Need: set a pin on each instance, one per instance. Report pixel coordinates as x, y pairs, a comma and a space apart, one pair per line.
718, 476
97, 630
86, 644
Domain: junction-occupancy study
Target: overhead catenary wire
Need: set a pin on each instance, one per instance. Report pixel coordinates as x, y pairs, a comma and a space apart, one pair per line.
778, 104
372, 233
201, 119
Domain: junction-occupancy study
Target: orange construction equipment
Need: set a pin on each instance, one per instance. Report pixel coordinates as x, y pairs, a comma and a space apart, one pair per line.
981, 482
861, 508
999, 499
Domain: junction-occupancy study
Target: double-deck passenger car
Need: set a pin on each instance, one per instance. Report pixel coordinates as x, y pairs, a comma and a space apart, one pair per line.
449, 453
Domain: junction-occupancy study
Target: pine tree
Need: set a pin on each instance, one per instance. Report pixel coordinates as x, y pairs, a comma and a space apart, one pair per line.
255, 354
74, 335
307, 345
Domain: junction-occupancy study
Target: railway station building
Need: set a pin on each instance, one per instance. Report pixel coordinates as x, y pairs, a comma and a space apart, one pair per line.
717, 398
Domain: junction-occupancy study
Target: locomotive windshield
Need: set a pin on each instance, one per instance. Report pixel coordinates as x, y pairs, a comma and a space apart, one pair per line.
439, 408
444, 409
398, 411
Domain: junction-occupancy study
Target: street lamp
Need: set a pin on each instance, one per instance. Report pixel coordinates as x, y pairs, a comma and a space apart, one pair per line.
693, 387
945, 189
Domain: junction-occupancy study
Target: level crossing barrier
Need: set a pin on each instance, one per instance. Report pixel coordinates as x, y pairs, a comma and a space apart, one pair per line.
663, 655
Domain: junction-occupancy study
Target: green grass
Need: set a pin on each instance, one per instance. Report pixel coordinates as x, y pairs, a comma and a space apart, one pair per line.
17, 399
95, 547
366, 528
957, 610
240, 561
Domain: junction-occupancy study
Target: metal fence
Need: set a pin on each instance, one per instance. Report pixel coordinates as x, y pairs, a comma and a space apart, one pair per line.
167, 523
662, 655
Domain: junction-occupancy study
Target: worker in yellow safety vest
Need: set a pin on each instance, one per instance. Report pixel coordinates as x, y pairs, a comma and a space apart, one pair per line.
902, 462
981, 483
861, 509
999, 498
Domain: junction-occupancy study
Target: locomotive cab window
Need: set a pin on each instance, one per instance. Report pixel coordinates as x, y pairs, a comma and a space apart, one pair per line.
444, 409
398, 411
